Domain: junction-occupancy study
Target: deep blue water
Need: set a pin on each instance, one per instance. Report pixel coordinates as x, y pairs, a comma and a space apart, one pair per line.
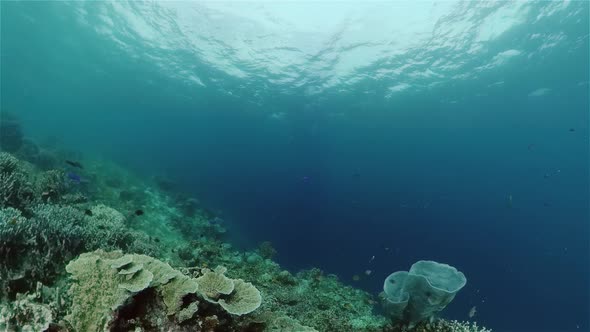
342, 141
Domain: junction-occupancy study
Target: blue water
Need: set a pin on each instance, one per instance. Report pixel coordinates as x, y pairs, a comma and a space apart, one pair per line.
451, 131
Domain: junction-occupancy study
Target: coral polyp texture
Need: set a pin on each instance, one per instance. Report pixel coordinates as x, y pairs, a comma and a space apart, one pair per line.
105, 281
213, 284
78, 257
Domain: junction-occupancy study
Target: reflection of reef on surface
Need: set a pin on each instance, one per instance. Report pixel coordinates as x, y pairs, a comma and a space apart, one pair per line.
61, 241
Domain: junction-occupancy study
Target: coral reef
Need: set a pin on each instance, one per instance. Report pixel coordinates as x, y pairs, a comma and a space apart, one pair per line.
16, 190
284, 323
36, 248
213, 284
25, 314
150, 271
440, 325
244, 299
235, 295
106, 281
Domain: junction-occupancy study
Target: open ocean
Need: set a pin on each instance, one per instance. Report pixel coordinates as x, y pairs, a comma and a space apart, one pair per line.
356, 137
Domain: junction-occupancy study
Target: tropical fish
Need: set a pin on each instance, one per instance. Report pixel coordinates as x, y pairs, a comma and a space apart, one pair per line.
74, 164
74, 177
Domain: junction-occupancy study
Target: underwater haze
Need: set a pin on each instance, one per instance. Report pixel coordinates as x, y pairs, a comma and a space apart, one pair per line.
356, 137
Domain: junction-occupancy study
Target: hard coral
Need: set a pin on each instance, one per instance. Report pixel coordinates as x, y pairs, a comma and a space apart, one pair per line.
99, 290
37, 248
51, 184
25, 314
288, 324
213, 284
236, 296
34, 249
15, 189
440, 325
116, 291
105, 281
243, 300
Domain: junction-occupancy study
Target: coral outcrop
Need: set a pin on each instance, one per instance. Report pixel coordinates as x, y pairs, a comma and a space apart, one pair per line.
105, 282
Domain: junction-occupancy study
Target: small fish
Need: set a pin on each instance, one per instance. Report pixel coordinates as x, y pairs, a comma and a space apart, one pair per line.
74, 177
74, 164
138, 212
356, 277
555, 173
372, 259
572, 130
88, 212
368, 272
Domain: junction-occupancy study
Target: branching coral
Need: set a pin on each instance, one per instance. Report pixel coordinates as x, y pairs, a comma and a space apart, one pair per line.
37, 248
34, 249
15, 189
51, 186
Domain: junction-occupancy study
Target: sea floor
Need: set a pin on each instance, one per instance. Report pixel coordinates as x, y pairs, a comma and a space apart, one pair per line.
87, 245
